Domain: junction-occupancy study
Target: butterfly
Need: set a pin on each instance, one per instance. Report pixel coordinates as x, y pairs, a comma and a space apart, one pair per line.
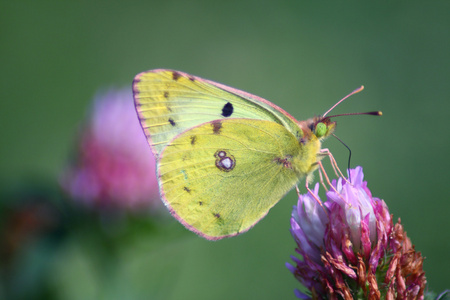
224, 156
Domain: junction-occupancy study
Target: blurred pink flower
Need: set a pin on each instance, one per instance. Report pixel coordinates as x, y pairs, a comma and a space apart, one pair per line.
350, 247
114, 165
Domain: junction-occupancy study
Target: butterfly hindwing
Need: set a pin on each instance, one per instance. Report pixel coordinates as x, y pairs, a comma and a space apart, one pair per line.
208, 174
170, 102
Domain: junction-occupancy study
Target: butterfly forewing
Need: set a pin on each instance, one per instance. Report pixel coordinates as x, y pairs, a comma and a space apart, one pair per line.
170, 102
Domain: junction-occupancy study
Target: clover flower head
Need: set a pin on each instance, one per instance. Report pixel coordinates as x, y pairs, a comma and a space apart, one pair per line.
114, 166
350, 247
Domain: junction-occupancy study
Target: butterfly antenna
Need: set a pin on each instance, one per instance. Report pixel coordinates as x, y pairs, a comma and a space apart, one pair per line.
371, 113
349, 154
354, 92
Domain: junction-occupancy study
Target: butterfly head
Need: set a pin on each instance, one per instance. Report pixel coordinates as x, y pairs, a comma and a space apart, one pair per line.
321, 127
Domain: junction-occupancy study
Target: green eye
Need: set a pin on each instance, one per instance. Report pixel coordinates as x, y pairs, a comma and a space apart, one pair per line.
321, 129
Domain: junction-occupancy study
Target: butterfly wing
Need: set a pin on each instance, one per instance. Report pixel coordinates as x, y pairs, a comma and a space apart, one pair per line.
170, 102
220, 178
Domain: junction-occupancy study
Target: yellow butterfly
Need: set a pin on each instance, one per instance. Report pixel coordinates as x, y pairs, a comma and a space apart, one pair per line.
224, 156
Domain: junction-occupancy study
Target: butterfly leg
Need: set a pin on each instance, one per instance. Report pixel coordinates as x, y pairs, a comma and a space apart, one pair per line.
298, 190
326, 176
329, 183
321, 180
326, 151
314, 196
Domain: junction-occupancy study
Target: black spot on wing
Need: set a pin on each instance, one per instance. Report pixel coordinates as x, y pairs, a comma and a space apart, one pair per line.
172, 122
175, 75
187, 189
166, 94
217, 127
219, 219
227, 110
285, 162
193, 139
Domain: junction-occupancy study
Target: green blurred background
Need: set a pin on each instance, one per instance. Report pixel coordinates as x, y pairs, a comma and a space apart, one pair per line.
301, 55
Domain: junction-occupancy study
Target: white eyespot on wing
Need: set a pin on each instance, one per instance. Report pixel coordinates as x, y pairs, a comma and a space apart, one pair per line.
226, 163
224, 160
